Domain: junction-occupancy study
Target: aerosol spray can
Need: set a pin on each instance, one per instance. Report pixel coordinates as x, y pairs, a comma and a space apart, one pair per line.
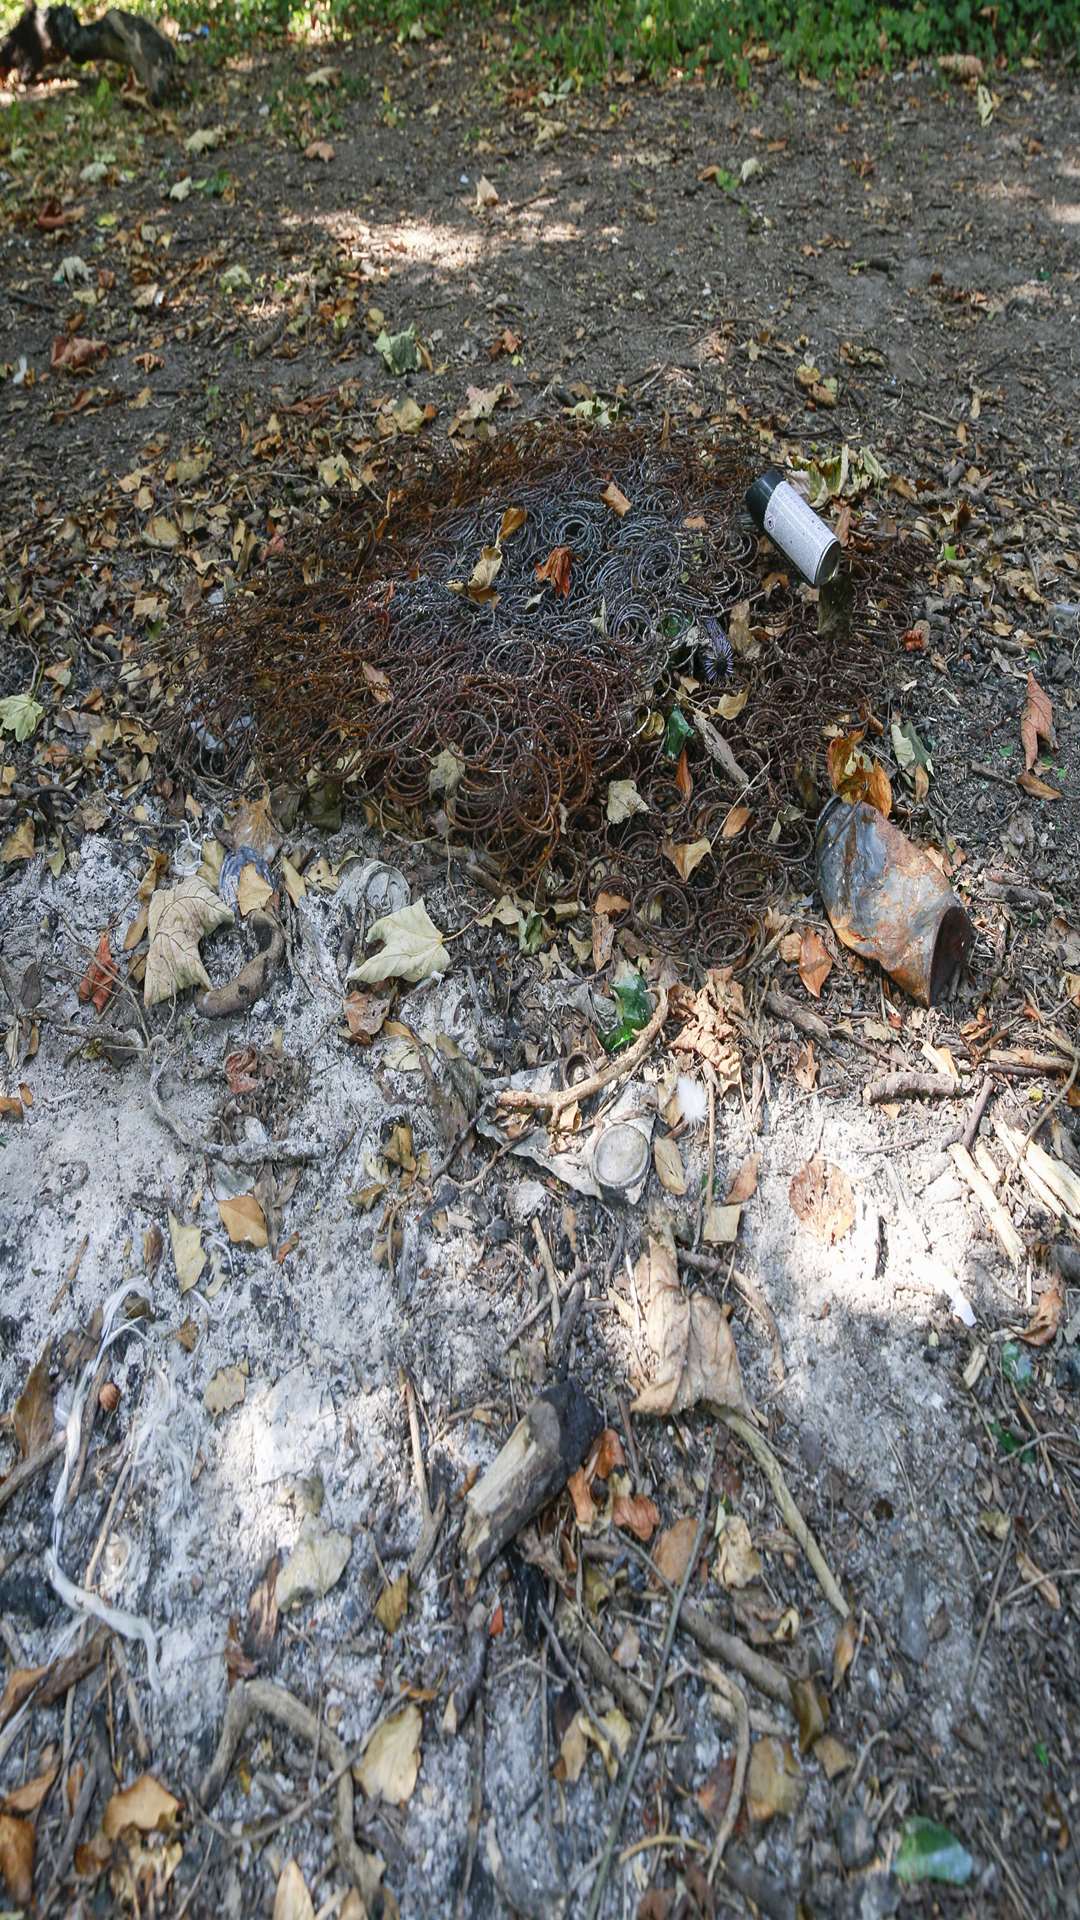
795, 528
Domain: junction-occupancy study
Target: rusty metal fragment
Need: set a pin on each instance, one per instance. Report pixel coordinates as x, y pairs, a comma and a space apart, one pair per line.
888, 902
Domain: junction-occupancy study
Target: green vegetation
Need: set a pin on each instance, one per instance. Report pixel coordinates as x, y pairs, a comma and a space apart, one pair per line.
590, 41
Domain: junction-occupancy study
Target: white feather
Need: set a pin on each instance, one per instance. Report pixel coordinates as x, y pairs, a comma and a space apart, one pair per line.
693, 1102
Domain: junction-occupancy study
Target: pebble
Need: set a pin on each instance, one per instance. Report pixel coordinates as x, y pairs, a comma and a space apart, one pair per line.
855, 1838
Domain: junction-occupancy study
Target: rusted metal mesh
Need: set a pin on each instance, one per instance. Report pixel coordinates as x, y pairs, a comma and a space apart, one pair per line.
354, 659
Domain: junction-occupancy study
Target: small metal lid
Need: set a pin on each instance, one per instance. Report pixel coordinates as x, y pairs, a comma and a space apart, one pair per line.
620, 1157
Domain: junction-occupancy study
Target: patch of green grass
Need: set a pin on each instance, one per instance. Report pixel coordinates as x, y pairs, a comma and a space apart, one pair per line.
590, 41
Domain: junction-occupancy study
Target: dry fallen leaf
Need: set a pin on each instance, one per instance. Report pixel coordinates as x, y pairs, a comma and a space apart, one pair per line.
734, 822
774, 1782
720, 1227
669, 1167
815, 962
744, 1185
17, 1858
1046, 1319
637, 1513
1038, 789
686, 855
512, 519
28, 1797
674, 1547
101, 978
1046, 1588
392, 1602
188, 1253
243, 1220
292, 1901
573, 1752
738, 1564
71, 352
225, 1389
584, 1505
833, 1756
556, 568
486, 194
252, 891
178, 918
479, 588
32, 1418
615, 498
146, 1804
390, 1762
854, 776
411, 948
364, 1015
623, 799
319, 150
822, 1199
710, 1030
844, 1650
695, 1351
1036, 722
315, 1564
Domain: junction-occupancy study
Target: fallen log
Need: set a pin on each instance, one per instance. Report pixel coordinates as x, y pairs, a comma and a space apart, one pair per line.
43, 36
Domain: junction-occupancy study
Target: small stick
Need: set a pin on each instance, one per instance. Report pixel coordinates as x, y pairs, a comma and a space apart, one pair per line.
142, 1745
554, 1101
1040, 1120
28, 1470
794, 1521
999, 1219
597, 1896
985, 1628
977, 1111
252, 1697
549, 1268
735, 1701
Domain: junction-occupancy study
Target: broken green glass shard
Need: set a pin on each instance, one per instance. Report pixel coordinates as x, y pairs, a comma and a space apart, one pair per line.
930, 1852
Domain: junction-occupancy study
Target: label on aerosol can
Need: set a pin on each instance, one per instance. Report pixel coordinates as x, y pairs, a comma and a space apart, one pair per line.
794, 527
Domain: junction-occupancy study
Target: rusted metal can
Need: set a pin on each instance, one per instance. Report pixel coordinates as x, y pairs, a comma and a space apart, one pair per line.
888, 901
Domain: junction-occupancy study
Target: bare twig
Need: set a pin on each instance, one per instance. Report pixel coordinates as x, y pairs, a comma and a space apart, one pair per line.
28, 1470
626, 1788
1039, 1121
735, 1702
560, 1097
998, 1216
793, 1519
985, 1628
253, 1697
287, 1152
977, 1111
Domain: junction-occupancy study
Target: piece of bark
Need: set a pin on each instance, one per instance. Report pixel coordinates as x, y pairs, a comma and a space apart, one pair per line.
911, 1086
802, 1019
548, 1444
1010, 1240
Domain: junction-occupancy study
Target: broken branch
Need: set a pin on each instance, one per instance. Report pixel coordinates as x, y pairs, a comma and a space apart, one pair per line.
560, 1097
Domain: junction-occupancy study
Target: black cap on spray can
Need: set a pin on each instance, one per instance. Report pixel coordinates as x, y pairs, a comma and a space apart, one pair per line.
795, 528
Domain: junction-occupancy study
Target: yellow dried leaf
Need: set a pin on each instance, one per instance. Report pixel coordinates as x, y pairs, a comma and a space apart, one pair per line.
390, 1762
687, 855
243, 1220
392, 1602
669, 1167
146, 1804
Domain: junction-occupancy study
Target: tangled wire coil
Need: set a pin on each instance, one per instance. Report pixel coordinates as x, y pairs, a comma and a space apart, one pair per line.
506, 640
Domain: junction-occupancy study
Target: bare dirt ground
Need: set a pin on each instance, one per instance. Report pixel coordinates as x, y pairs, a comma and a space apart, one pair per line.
252, 1412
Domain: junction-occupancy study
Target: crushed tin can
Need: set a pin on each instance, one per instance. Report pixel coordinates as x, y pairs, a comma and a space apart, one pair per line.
888, 902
